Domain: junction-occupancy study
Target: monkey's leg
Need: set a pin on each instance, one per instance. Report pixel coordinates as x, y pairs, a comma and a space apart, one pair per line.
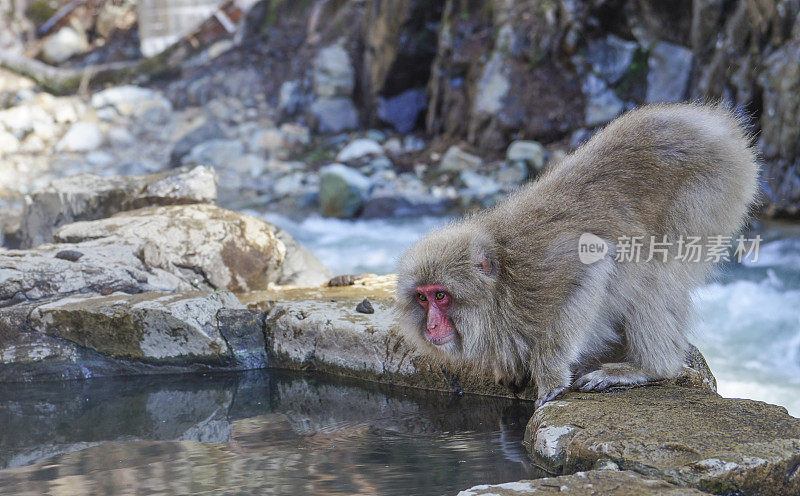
654, 333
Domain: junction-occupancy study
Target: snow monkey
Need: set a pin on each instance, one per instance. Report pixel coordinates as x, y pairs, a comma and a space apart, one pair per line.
535, 288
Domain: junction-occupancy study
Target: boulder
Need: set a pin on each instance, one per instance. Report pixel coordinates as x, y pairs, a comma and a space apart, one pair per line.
205, 244
81, 137
602, 104
206, 131
669, 69
216, 153
402, 111
8, 143
456, 159
342, 191
334, 115
333, 74
359, 148
149, 326
593, 483
88, 197
132, 101
531, 153
689, 437
396, 203
320, 329
610, 57
64, 44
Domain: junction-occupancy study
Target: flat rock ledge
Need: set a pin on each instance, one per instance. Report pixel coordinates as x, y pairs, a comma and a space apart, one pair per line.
593, 483
685, 436
320, 329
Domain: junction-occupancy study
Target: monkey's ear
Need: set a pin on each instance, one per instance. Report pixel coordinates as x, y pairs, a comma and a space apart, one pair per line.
483, 254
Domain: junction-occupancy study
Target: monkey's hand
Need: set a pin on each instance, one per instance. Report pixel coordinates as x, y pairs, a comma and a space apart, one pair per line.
614, 375
545, 396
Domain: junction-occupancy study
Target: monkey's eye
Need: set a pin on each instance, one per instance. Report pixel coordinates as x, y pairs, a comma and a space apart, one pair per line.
440, 295
421, 297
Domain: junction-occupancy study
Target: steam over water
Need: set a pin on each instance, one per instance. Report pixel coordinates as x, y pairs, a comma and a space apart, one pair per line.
748, 323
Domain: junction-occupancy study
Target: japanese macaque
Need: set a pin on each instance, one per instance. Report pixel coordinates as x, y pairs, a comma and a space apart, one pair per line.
515, 290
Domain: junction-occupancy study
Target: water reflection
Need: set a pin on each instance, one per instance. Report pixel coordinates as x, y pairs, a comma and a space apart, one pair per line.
257, 432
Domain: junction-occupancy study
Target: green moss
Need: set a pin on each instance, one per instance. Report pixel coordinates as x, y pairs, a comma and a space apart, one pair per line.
636, 75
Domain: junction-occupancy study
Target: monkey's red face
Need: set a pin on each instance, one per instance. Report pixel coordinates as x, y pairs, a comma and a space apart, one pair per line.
436, 301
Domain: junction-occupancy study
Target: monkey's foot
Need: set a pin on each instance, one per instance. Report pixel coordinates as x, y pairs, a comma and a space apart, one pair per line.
613, 374
549, 395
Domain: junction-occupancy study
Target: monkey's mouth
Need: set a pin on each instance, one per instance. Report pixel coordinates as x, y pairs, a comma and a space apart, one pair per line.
440, 340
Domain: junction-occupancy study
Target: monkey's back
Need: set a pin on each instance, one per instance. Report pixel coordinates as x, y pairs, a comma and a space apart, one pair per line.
674, 170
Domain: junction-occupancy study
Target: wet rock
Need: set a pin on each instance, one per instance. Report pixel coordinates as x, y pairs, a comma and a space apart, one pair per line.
402, 111
595, 482
81, 137
63, 45
154, 326
512, 175
668, 78
602, 104
610, 57
359, 148
243, 331
88, 197
205, 244
133, 101
492, 87
316, 328
291, 97
216, 153
207, 131
269, 142
685, 436
365, 306
456, 159
334, 115
342, 191
478, 185
531, 153
333, 74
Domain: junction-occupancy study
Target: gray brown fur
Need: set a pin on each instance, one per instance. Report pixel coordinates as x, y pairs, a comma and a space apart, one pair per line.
682, 169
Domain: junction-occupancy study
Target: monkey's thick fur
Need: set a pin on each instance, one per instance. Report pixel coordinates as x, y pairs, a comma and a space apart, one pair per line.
523, 304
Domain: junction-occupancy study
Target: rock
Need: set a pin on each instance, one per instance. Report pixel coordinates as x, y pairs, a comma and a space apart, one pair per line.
319, 329
71, 255
205, 132
403, 110
455, 159
592, 483
291, 97
100, 159
492, 88
81, 137
611, 57
8, 143
333, 74
295, 134
396, 203
133, 101
532, 153
216, 153
243, 331
342, 191
512, 175
690, 437
87, 197
300, 266
149, 326
334, 115
359, 148
365, 306
602, 104
670, 66
478, 185
63, 45
201, 243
